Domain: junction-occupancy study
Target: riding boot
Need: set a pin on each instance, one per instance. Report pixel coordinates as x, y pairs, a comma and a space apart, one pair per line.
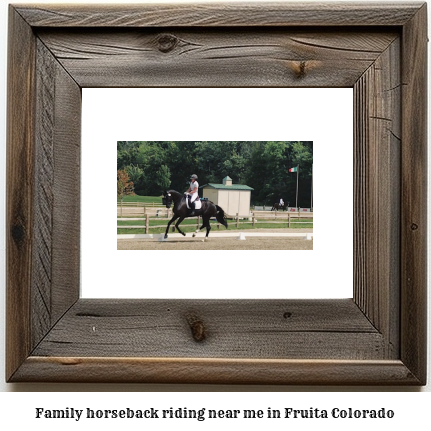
192, 208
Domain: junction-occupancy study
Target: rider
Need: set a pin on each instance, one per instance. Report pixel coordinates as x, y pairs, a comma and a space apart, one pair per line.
281, 202
193, 192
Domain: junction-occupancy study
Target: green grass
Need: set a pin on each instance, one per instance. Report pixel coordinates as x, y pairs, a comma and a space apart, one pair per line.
190, 226
153, 222
144, 199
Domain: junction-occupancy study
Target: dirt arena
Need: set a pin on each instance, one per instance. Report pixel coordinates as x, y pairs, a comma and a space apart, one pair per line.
214, 243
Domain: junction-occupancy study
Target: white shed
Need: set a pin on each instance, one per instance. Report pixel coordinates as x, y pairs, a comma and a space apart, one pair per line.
233, 198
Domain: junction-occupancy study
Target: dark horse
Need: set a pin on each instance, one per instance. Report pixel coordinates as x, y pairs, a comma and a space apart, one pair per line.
277, 207
181, 212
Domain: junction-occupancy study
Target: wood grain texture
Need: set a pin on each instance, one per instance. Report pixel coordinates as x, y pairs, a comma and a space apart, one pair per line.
67, 199
414, 194
43, 191
378, 338
215, 14
215, 58
55, 279
268, 329
377, 98
20, 198
215, 371
44, 196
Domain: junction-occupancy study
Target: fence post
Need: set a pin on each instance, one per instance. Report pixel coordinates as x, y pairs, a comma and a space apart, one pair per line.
147, 223
288, 219
253, 220
237, 220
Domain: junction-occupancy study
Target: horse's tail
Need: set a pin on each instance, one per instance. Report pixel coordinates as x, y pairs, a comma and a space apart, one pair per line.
221, 217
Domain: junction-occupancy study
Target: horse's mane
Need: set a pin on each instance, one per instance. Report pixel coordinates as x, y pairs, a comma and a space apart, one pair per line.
175, 193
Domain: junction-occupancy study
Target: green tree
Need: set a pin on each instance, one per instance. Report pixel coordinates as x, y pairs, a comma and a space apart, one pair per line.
124, 186
264, 165
163, 178
126, 153
135, 173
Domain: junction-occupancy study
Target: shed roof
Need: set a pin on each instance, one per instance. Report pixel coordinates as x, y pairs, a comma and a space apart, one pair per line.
224, 187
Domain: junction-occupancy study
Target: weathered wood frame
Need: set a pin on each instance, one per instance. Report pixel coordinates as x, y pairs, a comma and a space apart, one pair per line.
378, 337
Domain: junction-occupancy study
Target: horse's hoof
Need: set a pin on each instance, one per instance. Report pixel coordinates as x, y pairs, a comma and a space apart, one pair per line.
183, 234
166, 236
193, 235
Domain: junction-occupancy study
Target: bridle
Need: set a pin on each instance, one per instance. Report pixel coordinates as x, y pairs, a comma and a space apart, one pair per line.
167, 200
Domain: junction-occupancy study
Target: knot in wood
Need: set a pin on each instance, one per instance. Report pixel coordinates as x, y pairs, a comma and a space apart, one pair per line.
18, 233
414, 226
300, 69
167, 42
197, 328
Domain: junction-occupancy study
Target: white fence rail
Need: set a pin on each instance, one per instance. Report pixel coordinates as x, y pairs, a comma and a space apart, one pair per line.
161, 211
284, 219
290, 209
139, 204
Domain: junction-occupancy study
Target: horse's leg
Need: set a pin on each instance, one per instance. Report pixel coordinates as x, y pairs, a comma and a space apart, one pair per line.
177, 225
198, 229
208, 226
170, 221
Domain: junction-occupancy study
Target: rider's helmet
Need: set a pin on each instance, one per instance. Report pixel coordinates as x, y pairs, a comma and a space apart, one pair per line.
194, 177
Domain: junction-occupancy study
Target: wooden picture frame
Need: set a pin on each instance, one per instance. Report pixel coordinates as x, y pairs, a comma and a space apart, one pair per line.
376, 338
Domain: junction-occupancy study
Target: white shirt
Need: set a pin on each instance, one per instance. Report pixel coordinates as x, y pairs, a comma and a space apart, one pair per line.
194, 190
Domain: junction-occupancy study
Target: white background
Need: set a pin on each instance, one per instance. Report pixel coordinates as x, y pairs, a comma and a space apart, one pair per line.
324, 116
18, 408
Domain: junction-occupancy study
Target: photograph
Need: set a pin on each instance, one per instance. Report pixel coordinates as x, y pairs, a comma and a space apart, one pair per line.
246, 151
232, 101
215, 195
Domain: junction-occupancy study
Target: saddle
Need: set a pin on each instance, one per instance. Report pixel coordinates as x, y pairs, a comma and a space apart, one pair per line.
197, 202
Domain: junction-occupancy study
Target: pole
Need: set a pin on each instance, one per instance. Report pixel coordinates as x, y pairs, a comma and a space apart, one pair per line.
297, 177
311, 209
147, 223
